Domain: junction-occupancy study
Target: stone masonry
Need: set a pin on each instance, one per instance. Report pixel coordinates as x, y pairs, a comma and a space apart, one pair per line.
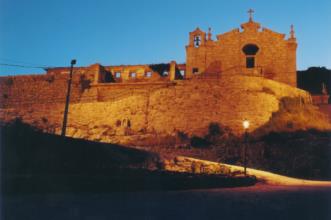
117, 112
275, 57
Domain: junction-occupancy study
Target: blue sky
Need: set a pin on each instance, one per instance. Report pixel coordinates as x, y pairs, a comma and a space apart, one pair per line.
113, 32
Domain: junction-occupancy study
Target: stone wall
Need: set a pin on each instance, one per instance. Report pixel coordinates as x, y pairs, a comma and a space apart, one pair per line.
125, 113
192, 165
184, 106
31, 89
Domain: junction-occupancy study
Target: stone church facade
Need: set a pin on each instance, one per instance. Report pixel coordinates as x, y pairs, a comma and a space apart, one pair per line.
251, 50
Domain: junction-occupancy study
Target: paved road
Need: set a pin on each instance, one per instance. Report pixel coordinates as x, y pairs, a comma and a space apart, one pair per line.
257, 202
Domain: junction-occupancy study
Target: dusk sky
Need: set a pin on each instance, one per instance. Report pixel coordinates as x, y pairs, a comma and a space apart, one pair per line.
114, 32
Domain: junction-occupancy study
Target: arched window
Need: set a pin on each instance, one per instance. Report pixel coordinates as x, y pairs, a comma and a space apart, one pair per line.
250, 51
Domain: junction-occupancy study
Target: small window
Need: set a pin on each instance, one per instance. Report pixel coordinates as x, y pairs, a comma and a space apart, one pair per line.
250, 62
250, 49
118, 74
182, 72
195, 70
133, 75
165, 73
149, 74
108, 77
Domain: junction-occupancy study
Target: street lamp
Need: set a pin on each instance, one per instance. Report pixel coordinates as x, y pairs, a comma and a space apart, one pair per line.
66, 108
246, 127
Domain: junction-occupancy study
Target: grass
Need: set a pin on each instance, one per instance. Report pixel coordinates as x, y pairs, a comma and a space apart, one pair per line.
294, 115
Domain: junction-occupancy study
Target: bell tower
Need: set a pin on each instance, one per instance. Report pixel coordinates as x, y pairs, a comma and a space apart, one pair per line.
195, 53
292, 58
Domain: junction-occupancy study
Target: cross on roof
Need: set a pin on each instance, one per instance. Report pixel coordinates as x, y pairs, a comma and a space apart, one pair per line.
250, 12
292, 31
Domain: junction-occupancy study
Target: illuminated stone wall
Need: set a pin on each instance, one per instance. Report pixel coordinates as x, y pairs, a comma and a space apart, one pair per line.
20, 91
124, 112
186, 106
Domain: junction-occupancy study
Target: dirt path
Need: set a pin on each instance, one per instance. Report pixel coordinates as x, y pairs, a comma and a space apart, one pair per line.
275, 179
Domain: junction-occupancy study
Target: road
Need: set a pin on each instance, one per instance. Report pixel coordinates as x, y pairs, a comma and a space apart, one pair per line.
262, 201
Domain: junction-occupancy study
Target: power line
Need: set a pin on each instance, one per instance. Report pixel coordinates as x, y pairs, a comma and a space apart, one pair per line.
25, 66
2, 59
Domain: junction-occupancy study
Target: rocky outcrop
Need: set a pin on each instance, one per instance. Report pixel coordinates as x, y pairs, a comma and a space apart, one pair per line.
191, 165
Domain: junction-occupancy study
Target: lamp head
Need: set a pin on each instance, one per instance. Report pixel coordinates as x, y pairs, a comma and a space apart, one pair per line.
73, 62
246, 124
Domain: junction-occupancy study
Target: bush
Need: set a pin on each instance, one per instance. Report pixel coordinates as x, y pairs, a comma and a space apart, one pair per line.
214, 129
160, 68
199, 142
182, 136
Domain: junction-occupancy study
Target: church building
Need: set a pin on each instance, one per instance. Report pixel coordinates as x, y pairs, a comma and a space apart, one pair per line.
251, 50
248, 51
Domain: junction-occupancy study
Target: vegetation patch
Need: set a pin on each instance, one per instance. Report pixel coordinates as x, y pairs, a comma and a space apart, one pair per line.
294, 115
160, 68
312, 79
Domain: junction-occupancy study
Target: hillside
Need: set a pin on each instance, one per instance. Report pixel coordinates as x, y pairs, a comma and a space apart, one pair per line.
34, 162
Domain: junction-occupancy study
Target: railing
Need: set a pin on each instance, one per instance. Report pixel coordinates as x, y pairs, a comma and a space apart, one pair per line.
243, 70
235, 70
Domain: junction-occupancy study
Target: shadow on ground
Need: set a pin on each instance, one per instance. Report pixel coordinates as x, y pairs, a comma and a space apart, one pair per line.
34, 162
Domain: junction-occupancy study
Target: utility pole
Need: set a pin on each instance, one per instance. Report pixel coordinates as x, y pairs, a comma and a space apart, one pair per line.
246, 127
245, 152
66, 108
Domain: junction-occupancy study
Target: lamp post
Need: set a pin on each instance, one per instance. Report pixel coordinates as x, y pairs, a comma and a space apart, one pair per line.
246, 127
66, 108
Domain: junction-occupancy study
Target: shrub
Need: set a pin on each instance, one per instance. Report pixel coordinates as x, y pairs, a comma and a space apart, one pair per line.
160, 68
182, 136
214, 129
199, 142
219, 135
